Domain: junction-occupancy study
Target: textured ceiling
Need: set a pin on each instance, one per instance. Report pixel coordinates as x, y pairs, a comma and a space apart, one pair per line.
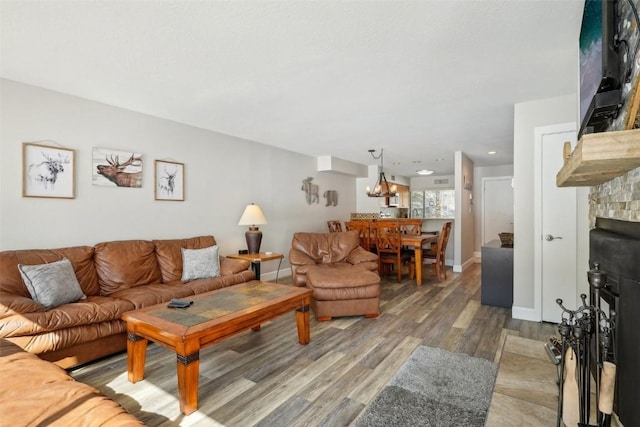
421, 79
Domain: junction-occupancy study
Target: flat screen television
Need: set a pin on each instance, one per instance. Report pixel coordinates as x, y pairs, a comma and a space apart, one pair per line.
600, 94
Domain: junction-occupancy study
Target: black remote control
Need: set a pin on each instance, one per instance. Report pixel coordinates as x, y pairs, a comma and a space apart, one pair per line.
179, 303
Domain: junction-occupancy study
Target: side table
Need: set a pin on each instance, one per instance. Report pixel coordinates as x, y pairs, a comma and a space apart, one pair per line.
257, 259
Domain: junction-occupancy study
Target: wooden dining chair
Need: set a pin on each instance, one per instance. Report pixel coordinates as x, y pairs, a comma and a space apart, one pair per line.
334, 226
436, 256
364, 230
411, 226
389, 248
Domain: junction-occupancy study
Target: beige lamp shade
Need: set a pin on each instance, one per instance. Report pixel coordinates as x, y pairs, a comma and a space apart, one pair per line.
252, 215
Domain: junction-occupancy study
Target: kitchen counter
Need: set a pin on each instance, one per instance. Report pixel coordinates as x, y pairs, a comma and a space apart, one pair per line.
437, 217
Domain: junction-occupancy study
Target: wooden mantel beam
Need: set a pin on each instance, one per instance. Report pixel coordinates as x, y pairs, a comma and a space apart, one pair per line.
600, 157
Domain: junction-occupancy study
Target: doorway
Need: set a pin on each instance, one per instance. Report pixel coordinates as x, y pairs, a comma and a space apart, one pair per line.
555, 224
497, 207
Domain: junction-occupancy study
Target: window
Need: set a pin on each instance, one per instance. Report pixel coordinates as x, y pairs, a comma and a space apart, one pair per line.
433, 203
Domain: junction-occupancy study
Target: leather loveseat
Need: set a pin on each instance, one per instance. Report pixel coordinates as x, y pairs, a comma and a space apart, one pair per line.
34, 392
115, 277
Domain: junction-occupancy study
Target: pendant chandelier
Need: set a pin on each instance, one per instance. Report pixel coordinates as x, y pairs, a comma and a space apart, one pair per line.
382, 187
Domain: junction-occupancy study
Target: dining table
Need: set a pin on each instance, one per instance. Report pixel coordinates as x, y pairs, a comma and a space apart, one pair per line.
417, 241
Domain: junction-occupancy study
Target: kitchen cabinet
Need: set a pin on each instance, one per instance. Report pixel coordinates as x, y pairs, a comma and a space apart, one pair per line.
403, 196
401, 199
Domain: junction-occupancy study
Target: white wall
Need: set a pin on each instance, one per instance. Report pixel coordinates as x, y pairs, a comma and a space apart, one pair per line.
479, 173
427, 182
364, 203
463, 226
223, 175
527, 117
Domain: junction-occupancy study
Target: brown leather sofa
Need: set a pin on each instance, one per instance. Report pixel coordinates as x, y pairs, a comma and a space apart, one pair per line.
116, 277
328, 250
34, 392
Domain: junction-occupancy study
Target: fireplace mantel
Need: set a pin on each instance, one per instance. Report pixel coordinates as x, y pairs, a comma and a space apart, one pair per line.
600, 157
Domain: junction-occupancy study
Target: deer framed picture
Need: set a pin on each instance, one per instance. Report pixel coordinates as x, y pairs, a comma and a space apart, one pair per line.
117, 168
169, 181
47, 171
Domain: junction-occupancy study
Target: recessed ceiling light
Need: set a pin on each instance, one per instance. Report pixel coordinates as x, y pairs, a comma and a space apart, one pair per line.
396, 163
424, 172
492, 152
416, 161
439, 159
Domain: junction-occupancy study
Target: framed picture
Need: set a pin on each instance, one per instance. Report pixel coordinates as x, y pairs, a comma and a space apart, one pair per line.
169, 181
117, 168
47, 171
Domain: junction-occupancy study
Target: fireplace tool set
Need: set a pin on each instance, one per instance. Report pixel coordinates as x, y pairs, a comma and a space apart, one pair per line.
587, 337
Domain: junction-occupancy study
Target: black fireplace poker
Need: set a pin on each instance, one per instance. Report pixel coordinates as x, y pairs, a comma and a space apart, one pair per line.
576, 330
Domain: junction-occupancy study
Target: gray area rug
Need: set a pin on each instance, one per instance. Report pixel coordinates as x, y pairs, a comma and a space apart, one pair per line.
434, 387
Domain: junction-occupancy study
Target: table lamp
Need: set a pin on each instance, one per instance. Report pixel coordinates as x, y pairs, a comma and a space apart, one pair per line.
253, 216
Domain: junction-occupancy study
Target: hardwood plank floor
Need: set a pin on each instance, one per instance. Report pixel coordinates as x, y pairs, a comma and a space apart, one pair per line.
266, 378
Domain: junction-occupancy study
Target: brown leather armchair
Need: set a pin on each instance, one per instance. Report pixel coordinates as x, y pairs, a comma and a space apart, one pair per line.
328, 250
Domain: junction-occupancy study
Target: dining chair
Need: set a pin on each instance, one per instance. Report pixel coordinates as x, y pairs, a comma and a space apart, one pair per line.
436, 255
334, 226
364, 230
411, 226
389, 248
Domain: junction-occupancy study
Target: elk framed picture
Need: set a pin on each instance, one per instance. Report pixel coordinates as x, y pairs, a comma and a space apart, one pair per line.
117, 168
47, 171
169, 181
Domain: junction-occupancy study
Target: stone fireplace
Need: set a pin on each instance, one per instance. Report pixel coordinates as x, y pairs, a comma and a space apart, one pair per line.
614, 215
615, 246
617, 199
614, 243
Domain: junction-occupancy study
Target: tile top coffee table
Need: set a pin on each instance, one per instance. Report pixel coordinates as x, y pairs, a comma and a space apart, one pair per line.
213, 317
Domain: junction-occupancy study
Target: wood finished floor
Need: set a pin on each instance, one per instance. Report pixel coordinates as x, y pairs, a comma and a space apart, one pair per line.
266, 378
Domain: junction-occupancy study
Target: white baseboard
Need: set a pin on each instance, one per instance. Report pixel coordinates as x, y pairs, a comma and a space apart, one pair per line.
525, 313
270, 276
460, 268
468, 263
477, 256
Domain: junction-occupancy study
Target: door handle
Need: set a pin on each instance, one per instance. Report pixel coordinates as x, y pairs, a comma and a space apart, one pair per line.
549, 237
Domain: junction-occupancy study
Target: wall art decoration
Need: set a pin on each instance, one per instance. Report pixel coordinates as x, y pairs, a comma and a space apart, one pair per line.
117, 168
332, 197
169, 180
311, 190
468, 184
47, 171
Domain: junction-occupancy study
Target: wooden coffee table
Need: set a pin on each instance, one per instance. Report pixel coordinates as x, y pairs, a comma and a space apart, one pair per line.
213, 317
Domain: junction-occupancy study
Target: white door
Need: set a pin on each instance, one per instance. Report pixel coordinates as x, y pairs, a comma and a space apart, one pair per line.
556, 225
497, 207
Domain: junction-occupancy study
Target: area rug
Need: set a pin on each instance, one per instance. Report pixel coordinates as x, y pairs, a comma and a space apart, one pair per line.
434, 387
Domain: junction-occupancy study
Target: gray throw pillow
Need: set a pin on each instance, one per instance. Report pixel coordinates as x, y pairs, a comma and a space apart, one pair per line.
200, 263
53, 284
